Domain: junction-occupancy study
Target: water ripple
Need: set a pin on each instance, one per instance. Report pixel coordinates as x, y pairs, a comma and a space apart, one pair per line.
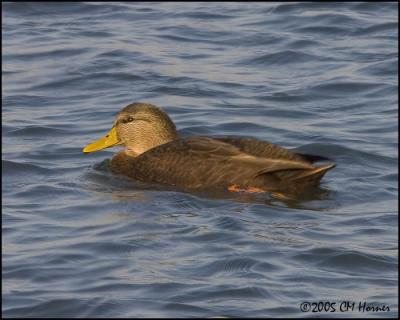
318, 78
282, 58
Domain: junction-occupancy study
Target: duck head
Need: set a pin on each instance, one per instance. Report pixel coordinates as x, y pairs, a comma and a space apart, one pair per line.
139, 127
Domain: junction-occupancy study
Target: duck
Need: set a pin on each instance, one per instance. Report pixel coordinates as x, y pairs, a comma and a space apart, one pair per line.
154, 152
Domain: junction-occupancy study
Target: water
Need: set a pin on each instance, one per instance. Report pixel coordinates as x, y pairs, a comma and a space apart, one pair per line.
318, 77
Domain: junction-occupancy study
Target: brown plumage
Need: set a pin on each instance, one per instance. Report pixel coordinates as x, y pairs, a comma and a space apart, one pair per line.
154, 153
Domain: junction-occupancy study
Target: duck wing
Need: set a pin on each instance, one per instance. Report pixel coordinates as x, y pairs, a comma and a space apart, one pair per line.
204, 162
265, 149
289, 179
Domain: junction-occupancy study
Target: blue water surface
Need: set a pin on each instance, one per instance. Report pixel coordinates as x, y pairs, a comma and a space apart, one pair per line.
318, 77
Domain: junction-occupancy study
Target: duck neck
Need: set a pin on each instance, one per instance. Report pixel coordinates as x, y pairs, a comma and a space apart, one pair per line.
148, 142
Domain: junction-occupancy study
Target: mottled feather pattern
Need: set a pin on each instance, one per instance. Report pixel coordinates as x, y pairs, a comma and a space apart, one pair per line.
204, 163
260, 148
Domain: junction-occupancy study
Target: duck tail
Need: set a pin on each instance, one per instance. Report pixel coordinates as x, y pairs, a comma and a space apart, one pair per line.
312, 176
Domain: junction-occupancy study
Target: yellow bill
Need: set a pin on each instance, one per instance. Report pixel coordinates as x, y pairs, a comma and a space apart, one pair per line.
109, 140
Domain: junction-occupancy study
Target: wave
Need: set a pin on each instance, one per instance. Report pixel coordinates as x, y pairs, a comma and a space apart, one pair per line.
285, 57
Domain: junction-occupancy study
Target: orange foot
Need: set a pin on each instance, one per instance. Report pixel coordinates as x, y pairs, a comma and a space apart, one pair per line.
236, 188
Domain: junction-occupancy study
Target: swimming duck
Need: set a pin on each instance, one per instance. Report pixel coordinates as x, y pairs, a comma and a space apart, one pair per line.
155, 153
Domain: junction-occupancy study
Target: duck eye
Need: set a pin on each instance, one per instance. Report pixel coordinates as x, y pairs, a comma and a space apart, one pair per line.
130, 119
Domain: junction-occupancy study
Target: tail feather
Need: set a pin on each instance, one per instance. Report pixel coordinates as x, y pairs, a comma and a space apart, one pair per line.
294, 180
313, 176
299, 178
